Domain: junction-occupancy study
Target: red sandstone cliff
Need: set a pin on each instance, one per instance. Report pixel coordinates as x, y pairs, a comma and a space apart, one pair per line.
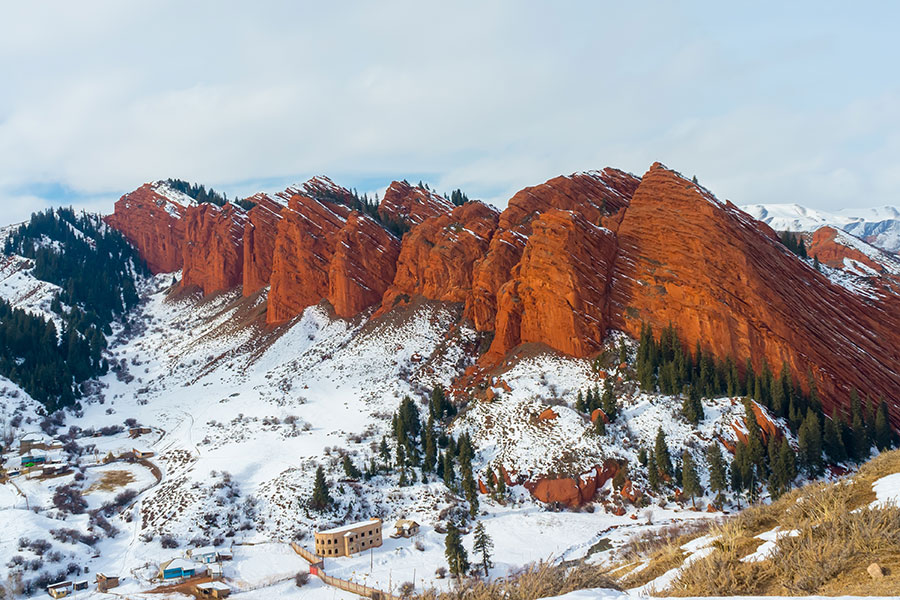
410, 205
724, 280
259, 242
591, 194
213, 249
558, 292
437, 257
151, 219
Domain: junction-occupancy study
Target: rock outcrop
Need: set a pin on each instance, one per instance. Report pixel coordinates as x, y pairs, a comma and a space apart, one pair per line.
213, 247
437, 257
151, 219
840, 250
363, 265
558, 291
726, 282
593, 195
304, 246
410, 205
259, 242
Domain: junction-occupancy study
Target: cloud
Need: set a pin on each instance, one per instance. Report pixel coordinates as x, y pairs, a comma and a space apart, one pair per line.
490, 97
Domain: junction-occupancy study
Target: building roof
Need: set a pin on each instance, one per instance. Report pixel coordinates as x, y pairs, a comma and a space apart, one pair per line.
405, 524
61, 584
213, 585
203, 550
178, 563
345, 528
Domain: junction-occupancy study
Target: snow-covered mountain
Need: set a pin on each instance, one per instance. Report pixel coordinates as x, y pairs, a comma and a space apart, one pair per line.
877, 226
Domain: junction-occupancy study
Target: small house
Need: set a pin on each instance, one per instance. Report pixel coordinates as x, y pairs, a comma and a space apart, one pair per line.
179, 568
405, 528
33, 459
215, 570
80, 585
141, 454
205, 554
60, 590
213, 589
138, 431
107, 582
34, 441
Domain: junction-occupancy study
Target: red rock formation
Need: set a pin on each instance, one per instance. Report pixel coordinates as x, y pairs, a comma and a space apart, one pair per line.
598, 413
304, 246
592, 195
213, 247
411, 205
724, 280
437, 257
573, 491
151, 219
840, 250
363, 265
259, 242
558, 291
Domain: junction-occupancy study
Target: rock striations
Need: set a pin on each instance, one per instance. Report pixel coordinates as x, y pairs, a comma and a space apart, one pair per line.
564, 263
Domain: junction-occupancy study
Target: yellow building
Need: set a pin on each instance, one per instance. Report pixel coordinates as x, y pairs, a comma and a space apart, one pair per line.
349, 539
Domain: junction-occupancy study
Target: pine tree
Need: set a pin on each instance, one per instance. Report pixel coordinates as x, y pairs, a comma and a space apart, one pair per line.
832, 442
483, 544
692, 407
653, 473
608, 403
600, 426
350, 470
810, 444
580, 405
430, 456
884, 436
457, 558
448, 474
661, 450
385, 453
755, 447
690, 482
321, 499
718, 478
642, 456
470, 489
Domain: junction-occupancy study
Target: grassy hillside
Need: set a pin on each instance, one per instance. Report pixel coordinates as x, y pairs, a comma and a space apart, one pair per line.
827, 536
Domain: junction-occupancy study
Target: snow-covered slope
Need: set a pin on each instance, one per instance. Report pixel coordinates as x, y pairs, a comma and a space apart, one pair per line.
877, 226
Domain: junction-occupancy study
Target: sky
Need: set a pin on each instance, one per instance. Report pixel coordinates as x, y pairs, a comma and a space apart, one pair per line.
765, 103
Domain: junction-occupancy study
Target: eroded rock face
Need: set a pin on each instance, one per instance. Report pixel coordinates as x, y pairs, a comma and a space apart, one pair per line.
259, 242
151, 219
840, 250
213, 247
592, 195
437, 256
363, 265
411, 205
304, 246
724, 280
558, 291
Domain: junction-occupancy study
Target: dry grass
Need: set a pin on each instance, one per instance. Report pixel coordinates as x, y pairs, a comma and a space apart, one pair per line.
534, 581
839, 536
111, 481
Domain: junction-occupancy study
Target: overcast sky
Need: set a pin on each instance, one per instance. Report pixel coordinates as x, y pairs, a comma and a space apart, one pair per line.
764, 104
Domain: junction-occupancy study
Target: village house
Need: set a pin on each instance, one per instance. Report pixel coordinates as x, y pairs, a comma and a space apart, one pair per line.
349, 539
107, 582
180, 568
213, 589
141, 454
37, 441
138, 431
208, 554
59, 590
405, 528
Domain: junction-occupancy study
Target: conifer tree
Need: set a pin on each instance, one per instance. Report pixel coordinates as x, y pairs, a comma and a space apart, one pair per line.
350, 470
653, 473
608, 403
600, 426
810, 444
884, 436
483, 545
448, 474
580, 405
690, 482
832, 442
457, 557
321, 499
661, 450
470, 489
718, 479
755, 447
692, 407
430, 455
642, 456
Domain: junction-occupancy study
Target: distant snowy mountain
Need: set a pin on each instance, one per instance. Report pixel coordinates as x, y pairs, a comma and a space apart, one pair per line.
877, 226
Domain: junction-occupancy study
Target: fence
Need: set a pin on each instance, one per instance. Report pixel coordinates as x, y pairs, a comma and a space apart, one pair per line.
342, 584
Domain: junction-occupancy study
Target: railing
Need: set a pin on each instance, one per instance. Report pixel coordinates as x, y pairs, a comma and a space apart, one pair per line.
342, 584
